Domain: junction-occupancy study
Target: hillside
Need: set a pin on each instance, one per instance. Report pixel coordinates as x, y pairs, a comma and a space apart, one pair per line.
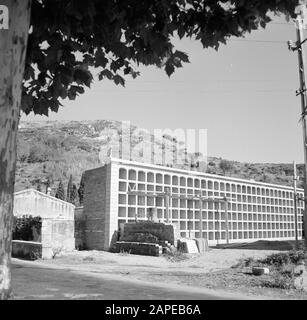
55, 150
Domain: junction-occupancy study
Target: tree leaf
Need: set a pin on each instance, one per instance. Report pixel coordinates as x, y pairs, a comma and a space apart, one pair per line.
169, 69
83, 77
119, 80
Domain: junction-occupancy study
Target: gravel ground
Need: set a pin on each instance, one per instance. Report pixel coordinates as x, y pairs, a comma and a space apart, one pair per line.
211, 270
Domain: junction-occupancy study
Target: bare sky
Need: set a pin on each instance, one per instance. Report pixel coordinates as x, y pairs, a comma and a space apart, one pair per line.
244, 94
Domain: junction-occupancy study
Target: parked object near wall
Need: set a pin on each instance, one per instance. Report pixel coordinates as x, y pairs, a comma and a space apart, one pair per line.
203, 245
188, 246
57, 219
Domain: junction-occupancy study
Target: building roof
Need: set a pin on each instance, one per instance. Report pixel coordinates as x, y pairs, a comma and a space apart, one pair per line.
41, 194
202, 174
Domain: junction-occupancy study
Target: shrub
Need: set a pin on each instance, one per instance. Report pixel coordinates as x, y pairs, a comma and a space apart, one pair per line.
176, 256
23, 150
56, 251
27, 228
124, 253
282, 268
35, 254
280, 259
226, 166
282, 277
39, 153
279, 281
141, 237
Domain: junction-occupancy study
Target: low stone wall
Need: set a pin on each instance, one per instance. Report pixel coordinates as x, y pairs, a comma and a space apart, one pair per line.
27, 249
145, 249
164, 232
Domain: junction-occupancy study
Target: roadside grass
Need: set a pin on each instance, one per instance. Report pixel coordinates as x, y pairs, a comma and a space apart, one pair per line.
176, 256
124, 252
282, 268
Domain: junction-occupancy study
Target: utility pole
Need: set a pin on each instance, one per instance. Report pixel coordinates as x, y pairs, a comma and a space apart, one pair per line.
200, 217
302, 92
167, 204
217, 221
189, 219
226, 220
295, 203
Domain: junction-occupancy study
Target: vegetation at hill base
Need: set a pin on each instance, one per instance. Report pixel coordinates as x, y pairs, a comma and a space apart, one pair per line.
53, 151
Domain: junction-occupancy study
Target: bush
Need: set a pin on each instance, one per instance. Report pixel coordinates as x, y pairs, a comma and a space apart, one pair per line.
277, 260
23, 149
27, 228
226, 166
280, 281
280, 259
282, 268
176, 256
39, 153
141, 237
56, 251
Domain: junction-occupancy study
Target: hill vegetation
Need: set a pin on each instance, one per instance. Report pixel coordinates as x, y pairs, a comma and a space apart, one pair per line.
52, 151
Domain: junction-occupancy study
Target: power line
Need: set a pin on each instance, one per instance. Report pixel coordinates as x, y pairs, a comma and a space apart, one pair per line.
260, 41
282, 23
214, 91
210, 81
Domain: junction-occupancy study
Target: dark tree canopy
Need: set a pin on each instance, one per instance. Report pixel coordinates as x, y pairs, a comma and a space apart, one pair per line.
60, 193
81, 189
69, 188
69, 38
226, 166
74, 195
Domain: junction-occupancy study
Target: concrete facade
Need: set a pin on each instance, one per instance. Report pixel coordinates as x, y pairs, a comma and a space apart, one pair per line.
80, 229
256, 210
57, 219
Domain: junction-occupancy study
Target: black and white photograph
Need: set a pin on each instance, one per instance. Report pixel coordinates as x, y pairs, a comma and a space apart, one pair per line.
153, 155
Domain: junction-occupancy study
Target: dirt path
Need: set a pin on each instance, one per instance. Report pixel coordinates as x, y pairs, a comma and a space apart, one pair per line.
203, 277
36, 281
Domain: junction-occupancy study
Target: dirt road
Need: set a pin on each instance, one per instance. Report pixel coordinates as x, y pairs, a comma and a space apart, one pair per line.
104, 275
35, 281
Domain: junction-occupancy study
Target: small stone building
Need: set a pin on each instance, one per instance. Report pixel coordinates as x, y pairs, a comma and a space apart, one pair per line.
57, 232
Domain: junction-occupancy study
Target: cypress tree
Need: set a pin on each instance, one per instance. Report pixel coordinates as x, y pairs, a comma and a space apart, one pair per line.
69, 189
60, 194
81, 190
74, 195
48, 184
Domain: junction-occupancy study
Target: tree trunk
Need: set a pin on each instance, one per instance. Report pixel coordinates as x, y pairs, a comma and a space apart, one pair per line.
12, 60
